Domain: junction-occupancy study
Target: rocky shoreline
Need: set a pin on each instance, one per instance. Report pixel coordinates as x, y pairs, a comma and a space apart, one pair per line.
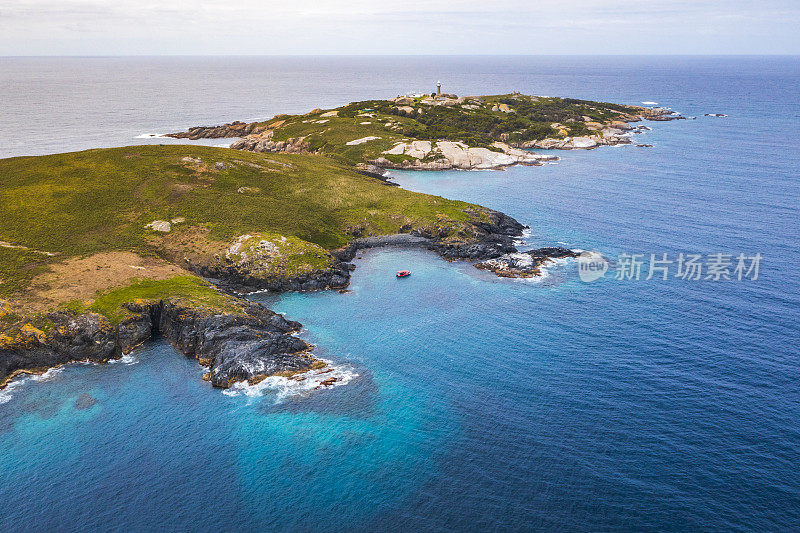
241, 341
495, 233
233, 129
246, 344
447, 155
243, 346
525, 264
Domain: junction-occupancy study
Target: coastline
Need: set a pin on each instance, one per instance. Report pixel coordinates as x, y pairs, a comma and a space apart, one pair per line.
240, 341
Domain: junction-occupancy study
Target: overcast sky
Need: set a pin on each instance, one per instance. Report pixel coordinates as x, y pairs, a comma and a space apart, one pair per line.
259, 27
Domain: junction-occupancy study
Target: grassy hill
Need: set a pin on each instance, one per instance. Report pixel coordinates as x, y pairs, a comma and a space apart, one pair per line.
477, 121
83, 211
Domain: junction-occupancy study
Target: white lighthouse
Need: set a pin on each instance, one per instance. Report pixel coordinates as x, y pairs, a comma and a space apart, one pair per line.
438, 88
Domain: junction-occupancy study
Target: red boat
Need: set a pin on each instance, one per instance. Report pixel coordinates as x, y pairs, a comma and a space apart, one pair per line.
403, 273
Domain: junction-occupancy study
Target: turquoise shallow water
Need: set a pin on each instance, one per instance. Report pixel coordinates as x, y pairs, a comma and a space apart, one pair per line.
480, 403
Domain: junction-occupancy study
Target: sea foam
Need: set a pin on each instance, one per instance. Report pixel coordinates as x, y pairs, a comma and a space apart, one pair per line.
8, 393
127, 359
298, 385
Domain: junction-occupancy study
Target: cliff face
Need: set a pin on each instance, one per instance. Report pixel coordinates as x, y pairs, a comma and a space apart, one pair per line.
247, 342
247, 345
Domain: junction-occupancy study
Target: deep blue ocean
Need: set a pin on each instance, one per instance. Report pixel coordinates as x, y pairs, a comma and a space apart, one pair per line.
473, 403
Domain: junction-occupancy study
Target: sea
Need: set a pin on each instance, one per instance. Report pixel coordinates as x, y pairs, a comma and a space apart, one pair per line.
466, 402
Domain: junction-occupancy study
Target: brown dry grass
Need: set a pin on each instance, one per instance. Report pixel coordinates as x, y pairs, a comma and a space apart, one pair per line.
81, 278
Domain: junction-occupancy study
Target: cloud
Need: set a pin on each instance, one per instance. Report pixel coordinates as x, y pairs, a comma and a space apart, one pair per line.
30, 27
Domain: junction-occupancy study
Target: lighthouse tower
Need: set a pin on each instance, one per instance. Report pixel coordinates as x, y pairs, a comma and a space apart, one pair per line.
438, 88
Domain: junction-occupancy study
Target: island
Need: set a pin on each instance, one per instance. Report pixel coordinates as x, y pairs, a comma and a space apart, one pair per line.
442, 131
101, 250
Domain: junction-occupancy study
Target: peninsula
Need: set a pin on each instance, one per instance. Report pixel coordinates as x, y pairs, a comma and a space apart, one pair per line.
441, 131
103, 249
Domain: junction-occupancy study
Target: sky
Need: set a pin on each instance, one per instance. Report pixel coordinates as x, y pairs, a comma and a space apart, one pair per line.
405, 27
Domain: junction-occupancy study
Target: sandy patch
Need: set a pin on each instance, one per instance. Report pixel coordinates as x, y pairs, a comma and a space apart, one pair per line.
81, 278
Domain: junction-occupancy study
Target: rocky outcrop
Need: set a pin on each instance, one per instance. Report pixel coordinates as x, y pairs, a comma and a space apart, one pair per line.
247, 344
494, 234
267, 262
376, 172
241, 279
660, 114
524, 264
263, 143
86, 337
573, 143
447, 155
234, 129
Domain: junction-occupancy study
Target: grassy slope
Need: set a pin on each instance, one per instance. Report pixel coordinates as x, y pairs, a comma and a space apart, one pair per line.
100, 200
110, 304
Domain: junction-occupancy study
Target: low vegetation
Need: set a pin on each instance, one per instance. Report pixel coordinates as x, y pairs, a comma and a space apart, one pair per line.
84, 204
111, 304
476, 121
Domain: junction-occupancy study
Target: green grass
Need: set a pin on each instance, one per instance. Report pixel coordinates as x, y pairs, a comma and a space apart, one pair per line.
195, 290
18, 267
80, 203
100, 200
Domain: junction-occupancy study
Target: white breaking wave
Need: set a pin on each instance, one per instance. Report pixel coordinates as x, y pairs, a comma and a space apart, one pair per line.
149, 136
554, 264
522, 240
8, 393
127, 359
545, 269
650, 103
300, 384
50, 374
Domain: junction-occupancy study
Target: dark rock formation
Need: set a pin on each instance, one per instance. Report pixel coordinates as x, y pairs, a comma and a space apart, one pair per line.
496, 232
237, 347
246, 345
87, 337
234, 129
374, 171
494, 236
237, 278
524, 264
